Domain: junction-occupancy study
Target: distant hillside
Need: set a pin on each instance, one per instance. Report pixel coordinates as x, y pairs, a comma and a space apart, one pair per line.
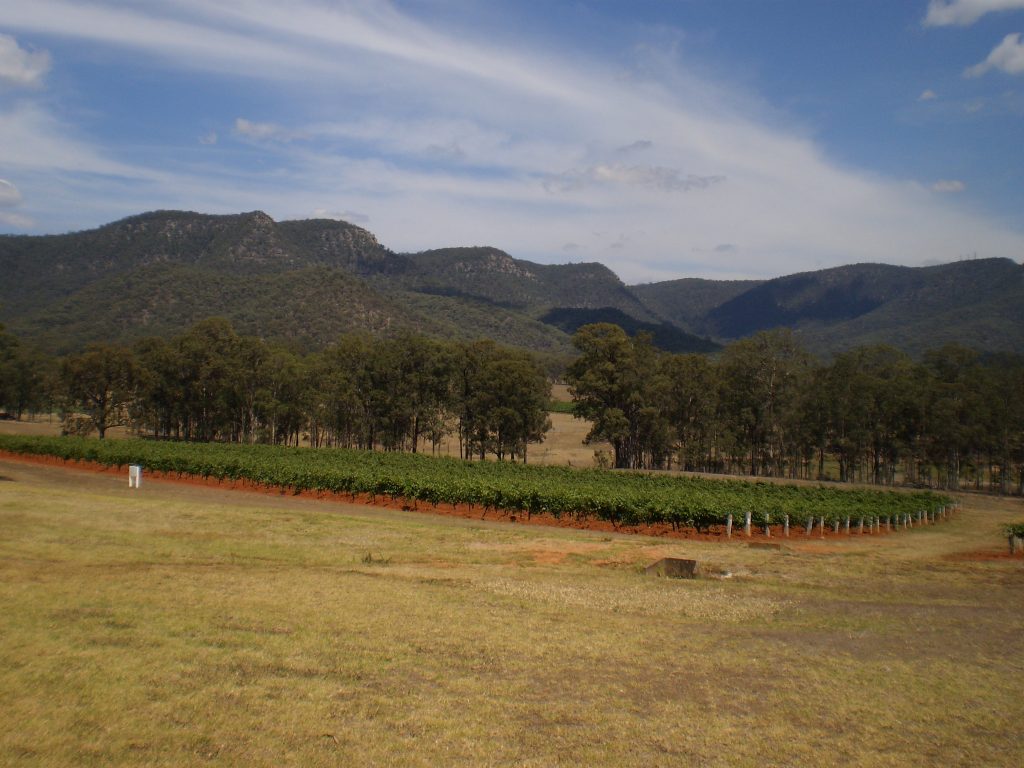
687, 302
976, 303
307, 282
491, 275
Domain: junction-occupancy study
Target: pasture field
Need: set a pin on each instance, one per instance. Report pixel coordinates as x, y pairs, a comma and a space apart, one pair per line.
181, 625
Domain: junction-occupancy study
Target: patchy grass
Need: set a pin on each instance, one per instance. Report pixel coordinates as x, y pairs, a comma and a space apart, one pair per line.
180, 625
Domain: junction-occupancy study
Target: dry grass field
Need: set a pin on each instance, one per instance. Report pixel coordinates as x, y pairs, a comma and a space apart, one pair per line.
562, 446
179, 625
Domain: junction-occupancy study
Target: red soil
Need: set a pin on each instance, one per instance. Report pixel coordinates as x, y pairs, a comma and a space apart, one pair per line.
797, 533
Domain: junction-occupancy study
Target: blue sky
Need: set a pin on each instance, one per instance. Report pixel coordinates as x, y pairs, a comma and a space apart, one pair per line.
671, 138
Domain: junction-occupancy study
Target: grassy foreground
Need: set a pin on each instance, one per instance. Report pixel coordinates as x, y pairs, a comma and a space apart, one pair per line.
177, 626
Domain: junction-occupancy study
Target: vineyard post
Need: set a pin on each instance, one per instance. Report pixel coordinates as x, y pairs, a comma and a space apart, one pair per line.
785, 526
846, 528
767, 524
746, 524
835, 526
888, 524
809, 524
919, 517
821, 526
728, 526
860, 526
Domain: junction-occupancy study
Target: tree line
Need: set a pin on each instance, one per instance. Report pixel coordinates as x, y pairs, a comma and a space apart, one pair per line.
211, 384
765, 406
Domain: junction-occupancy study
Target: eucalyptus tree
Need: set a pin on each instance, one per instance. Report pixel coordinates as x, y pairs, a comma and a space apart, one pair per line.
761, 378
691, 401
101, 382
616, 384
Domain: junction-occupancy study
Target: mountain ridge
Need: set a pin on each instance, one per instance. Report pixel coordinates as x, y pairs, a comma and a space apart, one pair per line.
305, 282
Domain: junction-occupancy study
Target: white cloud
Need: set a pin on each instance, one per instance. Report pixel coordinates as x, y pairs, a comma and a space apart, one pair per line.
208, 139
21, 68
656, 177
1007, 57
456, 136
30, 138
352, 217
16, 220
10, 197
636, 146
963, 13
261, 131
9, 194
949, 185
928, 95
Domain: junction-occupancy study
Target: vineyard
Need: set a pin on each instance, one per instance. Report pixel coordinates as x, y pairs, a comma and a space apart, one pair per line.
623, 499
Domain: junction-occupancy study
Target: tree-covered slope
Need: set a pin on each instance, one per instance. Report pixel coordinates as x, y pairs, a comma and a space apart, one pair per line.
309, 281
305, 282
686, 302
975, 303
491, 275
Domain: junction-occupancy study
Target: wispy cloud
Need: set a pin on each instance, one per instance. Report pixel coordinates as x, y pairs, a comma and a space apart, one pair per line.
21, 68
459, 136
10, 199
655, 177
9, 194
353, 217
949, 185
1007, 57
963, 13
261, 131
928, 95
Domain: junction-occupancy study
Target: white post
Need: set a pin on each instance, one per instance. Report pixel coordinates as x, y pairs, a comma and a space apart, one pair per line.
746, 525
134, 476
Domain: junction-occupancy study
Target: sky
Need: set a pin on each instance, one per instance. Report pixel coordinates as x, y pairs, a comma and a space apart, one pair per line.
664, 138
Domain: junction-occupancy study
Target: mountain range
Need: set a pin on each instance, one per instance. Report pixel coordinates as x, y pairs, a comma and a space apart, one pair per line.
307, 282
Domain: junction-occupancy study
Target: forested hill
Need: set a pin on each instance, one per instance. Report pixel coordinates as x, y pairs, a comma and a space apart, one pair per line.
978, 303
307, 282
301, 281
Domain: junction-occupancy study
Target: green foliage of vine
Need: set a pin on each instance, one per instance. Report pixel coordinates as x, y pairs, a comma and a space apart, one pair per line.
625, 499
